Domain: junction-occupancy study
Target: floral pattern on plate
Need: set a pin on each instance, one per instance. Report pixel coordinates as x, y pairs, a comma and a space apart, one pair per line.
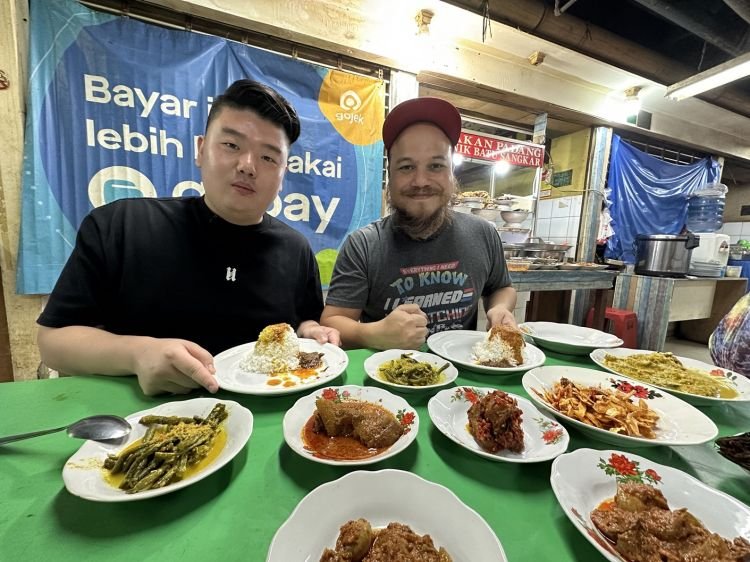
583, 479
544, 438
299, 414
679, 423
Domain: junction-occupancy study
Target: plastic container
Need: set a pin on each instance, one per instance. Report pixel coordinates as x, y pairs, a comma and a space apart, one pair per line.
706, 208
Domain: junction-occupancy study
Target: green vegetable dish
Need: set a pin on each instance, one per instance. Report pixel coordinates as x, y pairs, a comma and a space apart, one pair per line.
408, 371
173, 448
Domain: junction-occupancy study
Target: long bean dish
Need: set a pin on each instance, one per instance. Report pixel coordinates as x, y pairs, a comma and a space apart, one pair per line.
172, 448
666, 371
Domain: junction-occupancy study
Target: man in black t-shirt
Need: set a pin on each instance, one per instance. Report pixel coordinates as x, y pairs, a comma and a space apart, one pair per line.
156, 286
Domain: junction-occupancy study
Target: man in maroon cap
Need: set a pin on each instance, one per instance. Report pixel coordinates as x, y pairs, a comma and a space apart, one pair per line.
423, 268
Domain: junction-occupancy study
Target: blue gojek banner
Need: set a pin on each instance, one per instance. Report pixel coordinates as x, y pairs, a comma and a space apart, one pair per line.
115, 108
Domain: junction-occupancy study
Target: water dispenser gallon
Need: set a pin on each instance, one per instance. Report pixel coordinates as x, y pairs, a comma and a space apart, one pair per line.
706, 208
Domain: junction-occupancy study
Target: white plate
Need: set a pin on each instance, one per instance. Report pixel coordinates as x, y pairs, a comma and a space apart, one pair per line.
231, 377
455, 345
567, 338
679, 422
296, 418
373, 362
740, 383
543, 438
580, 484
383, 497
83, 474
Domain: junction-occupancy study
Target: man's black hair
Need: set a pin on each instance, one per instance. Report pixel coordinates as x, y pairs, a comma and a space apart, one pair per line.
265, 101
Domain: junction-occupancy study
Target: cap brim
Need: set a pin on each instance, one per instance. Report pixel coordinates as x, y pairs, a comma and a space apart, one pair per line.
438, 112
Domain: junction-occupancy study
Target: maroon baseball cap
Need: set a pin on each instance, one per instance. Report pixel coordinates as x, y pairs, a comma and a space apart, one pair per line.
438, 112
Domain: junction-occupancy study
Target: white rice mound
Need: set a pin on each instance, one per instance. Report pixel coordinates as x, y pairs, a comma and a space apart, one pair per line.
494, 349
274, 352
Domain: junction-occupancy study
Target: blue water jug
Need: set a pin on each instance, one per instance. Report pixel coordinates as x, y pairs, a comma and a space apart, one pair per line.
706, 208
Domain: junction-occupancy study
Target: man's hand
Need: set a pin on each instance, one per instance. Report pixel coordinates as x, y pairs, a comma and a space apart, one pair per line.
499, 315
173, 365
405, 327
321, 334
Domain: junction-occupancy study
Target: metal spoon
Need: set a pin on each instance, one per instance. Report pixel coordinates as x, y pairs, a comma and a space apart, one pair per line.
96, 428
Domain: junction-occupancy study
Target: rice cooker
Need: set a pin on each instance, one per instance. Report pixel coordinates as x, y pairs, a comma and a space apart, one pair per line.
664, 255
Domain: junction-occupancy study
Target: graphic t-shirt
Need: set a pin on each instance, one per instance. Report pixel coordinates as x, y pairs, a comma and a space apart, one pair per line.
380, 268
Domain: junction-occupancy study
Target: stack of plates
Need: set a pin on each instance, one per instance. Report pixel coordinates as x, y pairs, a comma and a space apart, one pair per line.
706, 269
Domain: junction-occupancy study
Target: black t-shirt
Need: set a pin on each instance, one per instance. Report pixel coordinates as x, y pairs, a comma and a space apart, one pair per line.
171, 268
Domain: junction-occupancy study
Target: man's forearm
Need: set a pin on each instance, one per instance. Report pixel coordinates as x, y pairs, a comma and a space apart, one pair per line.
505, 297
82, 350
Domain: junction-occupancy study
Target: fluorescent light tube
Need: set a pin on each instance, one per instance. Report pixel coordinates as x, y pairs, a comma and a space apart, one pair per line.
712, 78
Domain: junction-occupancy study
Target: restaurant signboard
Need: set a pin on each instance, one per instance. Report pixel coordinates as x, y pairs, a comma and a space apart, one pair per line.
498, 149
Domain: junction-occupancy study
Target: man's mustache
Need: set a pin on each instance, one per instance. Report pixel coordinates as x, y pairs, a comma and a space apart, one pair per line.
423, 191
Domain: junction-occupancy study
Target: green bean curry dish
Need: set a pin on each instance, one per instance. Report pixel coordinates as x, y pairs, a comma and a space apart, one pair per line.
173, 448
409, 372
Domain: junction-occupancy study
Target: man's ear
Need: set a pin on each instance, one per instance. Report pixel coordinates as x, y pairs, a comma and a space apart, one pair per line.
199, 150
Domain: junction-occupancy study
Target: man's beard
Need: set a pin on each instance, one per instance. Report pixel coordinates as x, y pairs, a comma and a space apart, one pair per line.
421, 228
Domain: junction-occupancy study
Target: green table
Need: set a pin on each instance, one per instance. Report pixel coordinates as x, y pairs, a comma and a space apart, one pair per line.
234, 513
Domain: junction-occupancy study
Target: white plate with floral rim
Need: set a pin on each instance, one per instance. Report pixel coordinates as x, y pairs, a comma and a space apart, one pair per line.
374, 362
583, 479
679, 423
456, 346
733, 381
567, 338
382, 497
299, 414
84, 474
543, 438
232, 377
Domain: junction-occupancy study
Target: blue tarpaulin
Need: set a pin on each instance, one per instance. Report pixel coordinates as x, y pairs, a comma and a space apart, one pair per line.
649, 195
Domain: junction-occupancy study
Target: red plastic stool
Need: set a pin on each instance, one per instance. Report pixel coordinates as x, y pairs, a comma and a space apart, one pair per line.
622, 323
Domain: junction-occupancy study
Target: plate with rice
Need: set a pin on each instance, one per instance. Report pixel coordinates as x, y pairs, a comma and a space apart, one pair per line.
501, 351
278, 363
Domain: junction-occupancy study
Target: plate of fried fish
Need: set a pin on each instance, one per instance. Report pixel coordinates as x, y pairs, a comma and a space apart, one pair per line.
350, 425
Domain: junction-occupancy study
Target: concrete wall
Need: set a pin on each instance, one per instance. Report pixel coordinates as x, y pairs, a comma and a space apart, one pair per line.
21, 311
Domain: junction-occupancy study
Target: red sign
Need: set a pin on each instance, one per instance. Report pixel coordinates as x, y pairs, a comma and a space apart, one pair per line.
496, 149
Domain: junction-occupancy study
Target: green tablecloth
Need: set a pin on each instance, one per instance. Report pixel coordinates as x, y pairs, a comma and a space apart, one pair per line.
234, 513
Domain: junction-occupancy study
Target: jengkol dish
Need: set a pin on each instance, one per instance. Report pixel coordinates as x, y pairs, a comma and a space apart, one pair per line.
358, 541
632, 509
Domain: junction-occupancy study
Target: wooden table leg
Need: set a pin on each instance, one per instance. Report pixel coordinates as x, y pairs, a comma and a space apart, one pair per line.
599, 309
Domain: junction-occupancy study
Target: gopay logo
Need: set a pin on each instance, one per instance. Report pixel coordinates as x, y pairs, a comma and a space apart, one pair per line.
350, 102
